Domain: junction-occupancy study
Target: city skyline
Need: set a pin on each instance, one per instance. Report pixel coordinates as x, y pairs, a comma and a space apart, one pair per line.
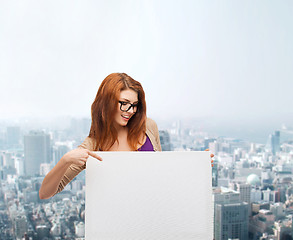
258, 133
252, 183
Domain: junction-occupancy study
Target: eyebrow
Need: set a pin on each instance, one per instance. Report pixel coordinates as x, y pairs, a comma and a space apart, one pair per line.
128, 100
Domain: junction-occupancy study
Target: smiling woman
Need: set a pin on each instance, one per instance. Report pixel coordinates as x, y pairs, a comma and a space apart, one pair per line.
126, 105
119, 123
111, 121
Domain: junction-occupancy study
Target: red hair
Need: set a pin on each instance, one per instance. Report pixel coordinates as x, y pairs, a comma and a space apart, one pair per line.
104, 108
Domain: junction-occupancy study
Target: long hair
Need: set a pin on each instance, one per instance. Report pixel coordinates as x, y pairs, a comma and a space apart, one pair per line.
105, 107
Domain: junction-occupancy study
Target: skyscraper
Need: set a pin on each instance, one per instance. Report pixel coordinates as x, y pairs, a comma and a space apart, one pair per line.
58, 152
13, 136
20, 226
231, 221
245, 192
215, 174
273, 143
165, 140
230, 215
276, 142
36, 151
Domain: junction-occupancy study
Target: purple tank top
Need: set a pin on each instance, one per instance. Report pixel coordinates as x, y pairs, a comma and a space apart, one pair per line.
147, 146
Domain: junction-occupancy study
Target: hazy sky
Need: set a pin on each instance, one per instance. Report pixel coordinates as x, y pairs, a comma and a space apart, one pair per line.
217, 60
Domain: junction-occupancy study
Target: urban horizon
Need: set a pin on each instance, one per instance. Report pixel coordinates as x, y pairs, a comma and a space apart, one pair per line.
246, 173
254, 132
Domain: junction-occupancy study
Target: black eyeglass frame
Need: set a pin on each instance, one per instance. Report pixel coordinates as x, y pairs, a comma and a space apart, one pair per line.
131, 106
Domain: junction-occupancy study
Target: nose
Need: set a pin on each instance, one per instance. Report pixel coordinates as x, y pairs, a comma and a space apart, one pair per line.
131, 110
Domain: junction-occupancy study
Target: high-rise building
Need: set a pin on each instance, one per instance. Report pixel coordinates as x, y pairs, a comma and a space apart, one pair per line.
207, 141
276, 142
214, 147
8, 160
58, 152
215, 174
165, 140
45, 168
223, 195
43, 232
245, 192
20, 226
80, 127
19, 166
255, 195
7, 164
266, 195
13, 136
37, 150
273, 142
231, 221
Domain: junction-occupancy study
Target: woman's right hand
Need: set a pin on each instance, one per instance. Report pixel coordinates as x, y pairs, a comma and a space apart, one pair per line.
79, 156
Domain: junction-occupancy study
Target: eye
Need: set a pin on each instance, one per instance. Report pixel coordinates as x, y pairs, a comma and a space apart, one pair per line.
123, 103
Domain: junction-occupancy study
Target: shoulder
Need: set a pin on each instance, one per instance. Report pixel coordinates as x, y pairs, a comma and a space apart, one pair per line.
151, 125
88, 143
153, 134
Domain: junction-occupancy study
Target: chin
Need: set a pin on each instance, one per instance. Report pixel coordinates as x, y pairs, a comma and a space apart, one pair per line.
123, 124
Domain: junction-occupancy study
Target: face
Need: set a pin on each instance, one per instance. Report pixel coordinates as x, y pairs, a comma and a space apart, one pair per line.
127, 97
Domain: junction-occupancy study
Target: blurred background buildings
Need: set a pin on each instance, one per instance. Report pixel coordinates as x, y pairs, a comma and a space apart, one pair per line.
252, 182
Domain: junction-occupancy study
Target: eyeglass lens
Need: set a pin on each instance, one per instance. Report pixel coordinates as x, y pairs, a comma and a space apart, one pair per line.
125, 107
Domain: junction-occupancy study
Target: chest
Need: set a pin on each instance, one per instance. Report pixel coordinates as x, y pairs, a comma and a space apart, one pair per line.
122, 144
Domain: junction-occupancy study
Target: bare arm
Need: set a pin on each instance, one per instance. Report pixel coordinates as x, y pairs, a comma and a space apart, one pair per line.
74, 159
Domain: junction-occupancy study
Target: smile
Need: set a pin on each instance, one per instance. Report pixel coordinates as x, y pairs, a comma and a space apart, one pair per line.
125, 117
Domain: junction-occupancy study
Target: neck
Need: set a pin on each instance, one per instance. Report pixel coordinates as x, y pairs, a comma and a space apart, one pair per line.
120, 129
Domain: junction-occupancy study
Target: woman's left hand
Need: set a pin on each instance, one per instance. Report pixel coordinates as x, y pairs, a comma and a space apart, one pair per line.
212, 155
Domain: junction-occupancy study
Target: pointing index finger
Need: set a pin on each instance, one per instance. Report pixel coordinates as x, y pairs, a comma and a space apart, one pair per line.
95, 155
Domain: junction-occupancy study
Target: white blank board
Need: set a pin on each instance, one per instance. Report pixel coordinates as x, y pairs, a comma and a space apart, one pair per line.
149, 196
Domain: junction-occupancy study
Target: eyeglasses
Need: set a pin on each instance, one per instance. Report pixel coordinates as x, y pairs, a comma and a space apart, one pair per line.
125, 106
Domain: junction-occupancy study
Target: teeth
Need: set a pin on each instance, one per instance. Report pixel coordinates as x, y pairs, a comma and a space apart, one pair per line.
125, 116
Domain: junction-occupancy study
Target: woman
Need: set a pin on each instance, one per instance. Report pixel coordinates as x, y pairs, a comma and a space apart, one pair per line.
119, 123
